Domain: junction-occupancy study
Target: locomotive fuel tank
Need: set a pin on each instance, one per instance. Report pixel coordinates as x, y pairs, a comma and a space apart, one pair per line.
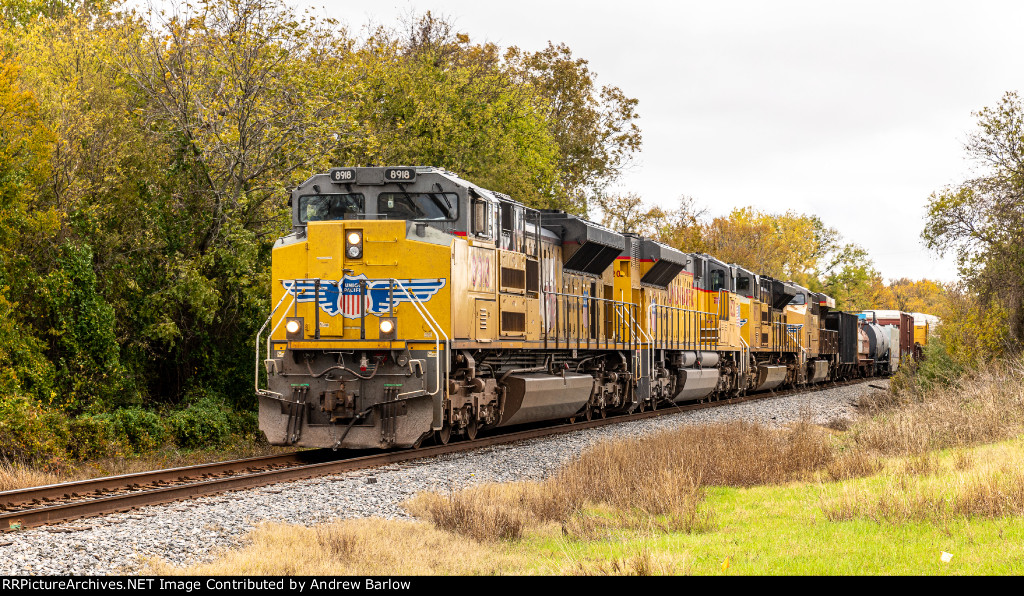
696, 383
819, 371
770, 377
536, 397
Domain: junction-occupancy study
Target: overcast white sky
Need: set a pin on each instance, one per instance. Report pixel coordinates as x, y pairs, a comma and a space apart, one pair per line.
853, 111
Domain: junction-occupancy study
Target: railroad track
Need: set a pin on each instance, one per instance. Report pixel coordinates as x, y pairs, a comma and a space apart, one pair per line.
31, 507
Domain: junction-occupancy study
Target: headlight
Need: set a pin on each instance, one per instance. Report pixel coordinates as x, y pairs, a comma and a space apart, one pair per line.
387, 328
354, 244
293, 326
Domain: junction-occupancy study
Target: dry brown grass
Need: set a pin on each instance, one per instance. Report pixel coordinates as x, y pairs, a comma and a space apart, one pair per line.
853, 464
988, 496
632, 472
482, 513
657, 482
641, 563
362, 547
14, 476
840, 423
955, 487
652, 484
983, 406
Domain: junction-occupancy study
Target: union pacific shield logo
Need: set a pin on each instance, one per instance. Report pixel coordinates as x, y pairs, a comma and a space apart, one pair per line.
344, 297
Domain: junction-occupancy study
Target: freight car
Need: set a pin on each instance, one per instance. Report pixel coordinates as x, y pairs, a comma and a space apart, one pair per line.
411, 304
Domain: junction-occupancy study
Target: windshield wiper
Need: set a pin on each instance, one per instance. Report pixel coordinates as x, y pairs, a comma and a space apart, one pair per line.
446, 207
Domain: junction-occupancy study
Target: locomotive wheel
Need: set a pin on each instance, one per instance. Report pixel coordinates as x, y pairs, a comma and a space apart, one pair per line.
589, 414
654, 404
444, 435
643, 406
471, 429
604, 413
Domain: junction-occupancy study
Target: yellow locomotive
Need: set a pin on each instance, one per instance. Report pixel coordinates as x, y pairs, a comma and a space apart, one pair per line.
413, 304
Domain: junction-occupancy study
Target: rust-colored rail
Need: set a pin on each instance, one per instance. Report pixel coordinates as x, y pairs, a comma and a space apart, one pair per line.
243, 475
20, 498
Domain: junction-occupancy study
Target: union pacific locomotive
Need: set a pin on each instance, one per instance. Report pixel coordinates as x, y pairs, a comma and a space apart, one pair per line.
411, 304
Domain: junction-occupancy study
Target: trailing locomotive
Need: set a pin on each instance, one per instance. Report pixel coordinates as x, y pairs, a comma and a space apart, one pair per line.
412, 304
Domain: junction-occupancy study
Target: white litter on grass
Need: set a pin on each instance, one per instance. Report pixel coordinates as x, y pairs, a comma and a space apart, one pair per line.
946, 557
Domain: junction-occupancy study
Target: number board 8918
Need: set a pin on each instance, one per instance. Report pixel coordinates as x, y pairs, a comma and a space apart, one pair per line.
399, 175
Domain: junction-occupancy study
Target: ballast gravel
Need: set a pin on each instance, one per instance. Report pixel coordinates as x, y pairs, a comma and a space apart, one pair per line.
193, 531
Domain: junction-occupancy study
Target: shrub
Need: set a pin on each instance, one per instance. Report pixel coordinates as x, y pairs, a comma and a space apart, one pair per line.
92, 437
245, 424
936, 370
47, 437
26, 433
205, 423
142, 430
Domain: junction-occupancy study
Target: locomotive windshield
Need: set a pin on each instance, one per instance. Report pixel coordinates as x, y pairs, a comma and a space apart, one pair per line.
330, 207
418, 205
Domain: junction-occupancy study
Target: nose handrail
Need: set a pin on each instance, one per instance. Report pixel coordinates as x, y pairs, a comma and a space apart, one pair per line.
260, 332
438, 331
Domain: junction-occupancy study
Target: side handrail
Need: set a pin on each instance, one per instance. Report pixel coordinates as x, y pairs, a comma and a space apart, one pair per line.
635, 326
797, 342
544, 314
745, 356
700, 318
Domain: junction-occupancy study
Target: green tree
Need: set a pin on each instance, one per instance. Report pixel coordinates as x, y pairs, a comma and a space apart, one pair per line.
137, 226
981, 222
429, 96
850, 277
25, 148
595, 128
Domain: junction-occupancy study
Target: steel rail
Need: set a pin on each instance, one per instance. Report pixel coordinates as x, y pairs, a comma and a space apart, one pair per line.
81, 488
27, 518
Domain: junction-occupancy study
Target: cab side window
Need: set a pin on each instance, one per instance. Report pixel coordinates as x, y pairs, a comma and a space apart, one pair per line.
717, 280
483, 219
